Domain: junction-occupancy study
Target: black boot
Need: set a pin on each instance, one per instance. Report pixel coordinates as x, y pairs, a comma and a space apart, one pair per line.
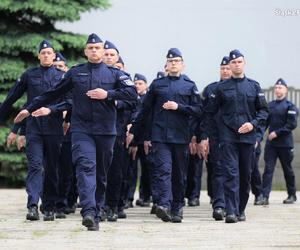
194, 202
32, 213
122, 214
218, 213
231, 218
290, 199
163, 213
112, 214
176, 217
259, 200
242, 217
48, 216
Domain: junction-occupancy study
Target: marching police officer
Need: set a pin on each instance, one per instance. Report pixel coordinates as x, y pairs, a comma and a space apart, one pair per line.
173, 99
281, 121
242, 106
95, 87
138, 153
67, 189
118, 166
214, 168
43, 134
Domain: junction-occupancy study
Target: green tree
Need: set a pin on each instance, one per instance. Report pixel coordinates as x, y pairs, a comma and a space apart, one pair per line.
23, 25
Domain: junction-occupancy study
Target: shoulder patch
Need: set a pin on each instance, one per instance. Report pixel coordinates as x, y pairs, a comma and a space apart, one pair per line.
292, 112
128, 82
261, 94
123, 77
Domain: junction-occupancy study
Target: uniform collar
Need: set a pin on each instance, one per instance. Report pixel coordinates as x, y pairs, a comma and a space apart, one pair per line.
238, 79
280, 100
94, 65
174, 78
46, 67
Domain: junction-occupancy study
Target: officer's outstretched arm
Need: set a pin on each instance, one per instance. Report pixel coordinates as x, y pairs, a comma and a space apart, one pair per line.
13, 95
62, 88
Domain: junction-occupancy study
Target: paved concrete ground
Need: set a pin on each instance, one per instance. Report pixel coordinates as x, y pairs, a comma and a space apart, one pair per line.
275, 226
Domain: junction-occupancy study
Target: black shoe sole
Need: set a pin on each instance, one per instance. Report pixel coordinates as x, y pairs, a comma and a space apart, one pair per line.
48, 218
112, 219
176, 220
258, 203
162, 214
88, 222
32, 218
60, 217
231, 221
122, 216
218, 216
93, 228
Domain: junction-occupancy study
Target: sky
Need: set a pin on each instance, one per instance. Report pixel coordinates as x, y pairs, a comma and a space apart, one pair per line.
266, 32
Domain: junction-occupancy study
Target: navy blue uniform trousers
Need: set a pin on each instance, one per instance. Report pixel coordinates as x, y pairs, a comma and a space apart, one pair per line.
170, 165
286, 156
236, 158
193, 180
67, 187
42, 153
115, 174
145, 179
217, 174
256, 183
92, 156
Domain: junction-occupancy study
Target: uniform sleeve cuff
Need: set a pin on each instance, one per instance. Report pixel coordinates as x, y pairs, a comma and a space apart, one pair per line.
110, 95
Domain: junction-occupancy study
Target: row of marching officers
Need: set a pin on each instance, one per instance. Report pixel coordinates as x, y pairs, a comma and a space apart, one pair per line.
169, 127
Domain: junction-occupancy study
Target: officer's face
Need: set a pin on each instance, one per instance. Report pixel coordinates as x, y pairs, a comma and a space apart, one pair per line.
237, 66
225, 72
141, 86
110, 57
46, 57
174, 66
94, 52
280, 91
61, 65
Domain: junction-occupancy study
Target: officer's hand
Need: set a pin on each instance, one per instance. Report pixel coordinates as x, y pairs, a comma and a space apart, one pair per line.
41, 112
147, 146
129, 139
170, 105
128, 128
193, 146
133, 151
21, 143
203, 149
246, 128
98, 93
66, 126
272, 136
11, 138
21, 116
